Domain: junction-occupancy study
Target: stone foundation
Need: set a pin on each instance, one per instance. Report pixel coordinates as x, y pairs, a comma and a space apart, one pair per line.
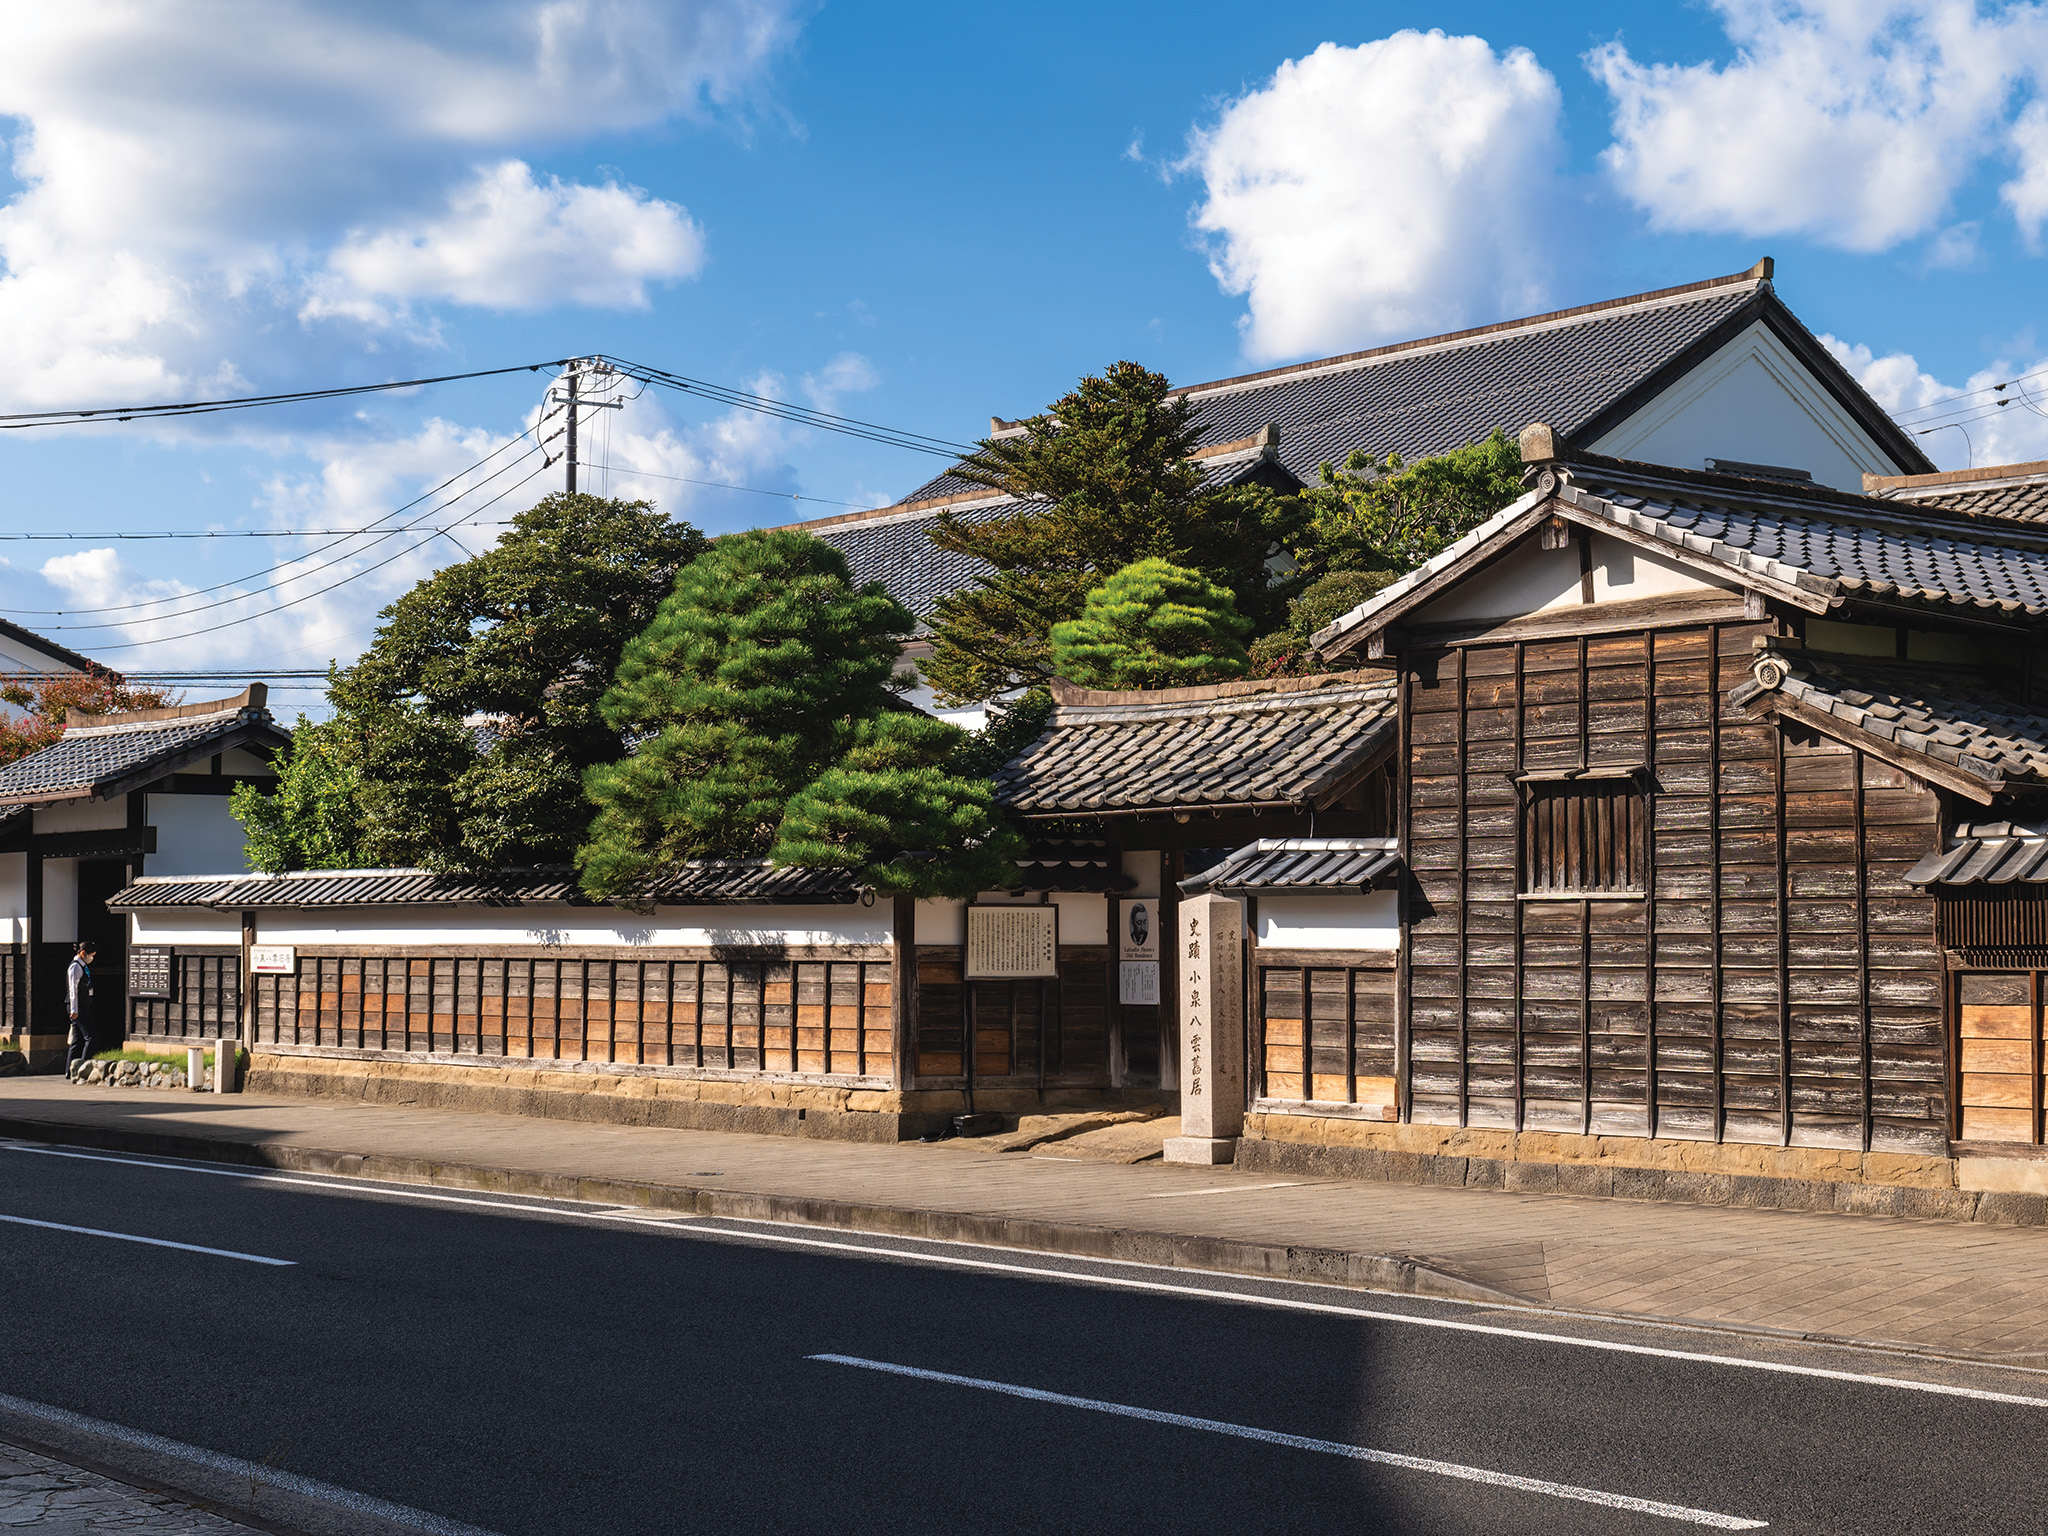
1639, 1168
604, 1094
132, 1074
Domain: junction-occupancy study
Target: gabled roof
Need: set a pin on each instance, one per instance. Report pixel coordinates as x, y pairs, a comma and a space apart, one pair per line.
99, 756
1806, 545
1292, 865
2016, 491
1293, 743
1941, 722
1583, 370
707, 882
62, 655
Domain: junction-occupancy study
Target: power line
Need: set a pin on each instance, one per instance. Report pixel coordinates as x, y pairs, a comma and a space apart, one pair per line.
851, 426
22, 419
129, 645
381, 535
242, 533
752, 490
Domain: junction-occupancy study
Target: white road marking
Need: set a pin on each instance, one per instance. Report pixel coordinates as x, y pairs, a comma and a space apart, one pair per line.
154, 1242
1221, 1189
256, 1472
1118, 1282
1328, 1447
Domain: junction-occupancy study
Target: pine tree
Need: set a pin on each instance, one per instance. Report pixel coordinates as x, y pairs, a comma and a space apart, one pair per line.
460, 737
764, 706
1106, 481
1152, 625
1388, 514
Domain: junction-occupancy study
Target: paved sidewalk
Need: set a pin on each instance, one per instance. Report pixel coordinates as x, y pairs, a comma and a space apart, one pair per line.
53, 1498
1947, 1287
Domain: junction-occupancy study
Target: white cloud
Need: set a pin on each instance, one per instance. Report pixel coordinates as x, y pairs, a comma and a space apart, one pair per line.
1959, 424
194, 172
1386, 190
1850, 122
2027, 193
509, 242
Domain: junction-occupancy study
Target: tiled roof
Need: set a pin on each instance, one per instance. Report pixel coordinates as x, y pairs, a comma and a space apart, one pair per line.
1072, 865
1987, 853
721, 882
2024, 501
100, 759
1571, 369
1935, 712
1288, 742
899, 553
1824, 545
1275, 865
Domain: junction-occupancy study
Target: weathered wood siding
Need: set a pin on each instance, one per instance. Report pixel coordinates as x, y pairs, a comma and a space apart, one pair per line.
207, 1003
1048, 1032
1322, 1027
1778, 983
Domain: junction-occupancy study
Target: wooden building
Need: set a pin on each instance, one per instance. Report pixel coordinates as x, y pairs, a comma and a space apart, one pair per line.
113, 796
1712, 793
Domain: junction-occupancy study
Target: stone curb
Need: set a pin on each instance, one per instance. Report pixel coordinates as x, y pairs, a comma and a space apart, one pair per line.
1322, 1266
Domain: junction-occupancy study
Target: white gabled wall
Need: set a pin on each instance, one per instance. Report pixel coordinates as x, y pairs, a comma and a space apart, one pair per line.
195, 835
453, 927
1531, 579
1755, 401
1368, 922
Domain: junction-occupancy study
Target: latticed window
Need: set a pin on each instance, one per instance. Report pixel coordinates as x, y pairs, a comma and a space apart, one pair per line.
1583, 837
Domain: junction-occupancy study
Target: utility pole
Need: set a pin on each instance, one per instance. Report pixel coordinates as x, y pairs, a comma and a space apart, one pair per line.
575, 365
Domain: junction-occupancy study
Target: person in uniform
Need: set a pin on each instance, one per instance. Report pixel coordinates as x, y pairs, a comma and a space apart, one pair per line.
78, 997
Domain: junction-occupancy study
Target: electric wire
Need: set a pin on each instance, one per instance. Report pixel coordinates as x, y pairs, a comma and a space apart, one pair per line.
373, 528
629, 473
20, 419
130, 645
851, 426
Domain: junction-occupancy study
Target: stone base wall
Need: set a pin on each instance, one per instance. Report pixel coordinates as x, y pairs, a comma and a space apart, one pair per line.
624, 1096
134, 1074
1967, 1188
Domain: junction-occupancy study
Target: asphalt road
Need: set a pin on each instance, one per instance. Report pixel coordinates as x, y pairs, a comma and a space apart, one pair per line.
533, 1367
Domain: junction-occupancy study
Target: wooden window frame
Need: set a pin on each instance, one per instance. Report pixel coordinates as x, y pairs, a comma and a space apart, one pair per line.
1624, 851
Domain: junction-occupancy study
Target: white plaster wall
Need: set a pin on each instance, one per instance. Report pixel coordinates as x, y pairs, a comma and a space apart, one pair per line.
1755, 401
1084, 917
547, 926
941, 922
13, 898
1532, 579
195, 835
82, 815
1368, 922
60, 900
16, 657
185, 925
238, 760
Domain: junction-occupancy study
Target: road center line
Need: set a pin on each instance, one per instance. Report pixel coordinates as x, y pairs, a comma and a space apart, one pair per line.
700, 1229
1221, 1189
1454, 1469
154, 1242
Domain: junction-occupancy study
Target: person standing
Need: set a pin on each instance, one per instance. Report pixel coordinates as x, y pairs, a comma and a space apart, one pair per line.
78, 997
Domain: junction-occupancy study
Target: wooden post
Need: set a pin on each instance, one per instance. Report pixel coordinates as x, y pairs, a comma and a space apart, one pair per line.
903, 992
1208, 942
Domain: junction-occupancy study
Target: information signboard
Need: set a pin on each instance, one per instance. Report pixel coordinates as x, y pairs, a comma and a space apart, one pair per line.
1137, 952
1005, 943
273, 959
150, 972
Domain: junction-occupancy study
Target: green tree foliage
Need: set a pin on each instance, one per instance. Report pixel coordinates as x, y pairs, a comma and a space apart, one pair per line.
1152, 624
1389, 515
1108, 482
1286, 652
313, 818
461, 736
763, 709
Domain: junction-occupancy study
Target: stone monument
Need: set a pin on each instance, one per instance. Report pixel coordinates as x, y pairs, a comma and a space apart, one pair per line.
1210, 943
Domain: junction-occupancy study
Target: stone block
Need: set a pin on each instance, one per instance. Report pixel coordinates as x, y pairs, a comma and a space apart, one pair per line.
1207, 1151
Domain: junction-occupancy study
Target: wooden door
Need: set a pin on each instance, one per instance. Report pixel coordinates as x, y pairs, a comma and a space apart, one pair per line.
1998, 1023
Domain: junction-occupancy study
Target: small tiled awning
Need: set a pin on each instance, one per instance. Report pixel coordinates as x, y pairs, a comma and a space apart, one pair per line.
1277, 866
1987, 853
1072, 865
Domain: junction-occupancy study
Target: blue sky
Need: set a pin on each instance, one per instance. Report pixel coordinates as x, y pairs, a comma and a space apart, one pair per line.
920, 215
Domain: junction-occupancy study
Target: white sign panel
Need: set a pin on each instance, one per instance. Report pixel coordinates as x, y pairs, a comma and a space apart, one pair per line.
1007, 942
273, 959
1137, 953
